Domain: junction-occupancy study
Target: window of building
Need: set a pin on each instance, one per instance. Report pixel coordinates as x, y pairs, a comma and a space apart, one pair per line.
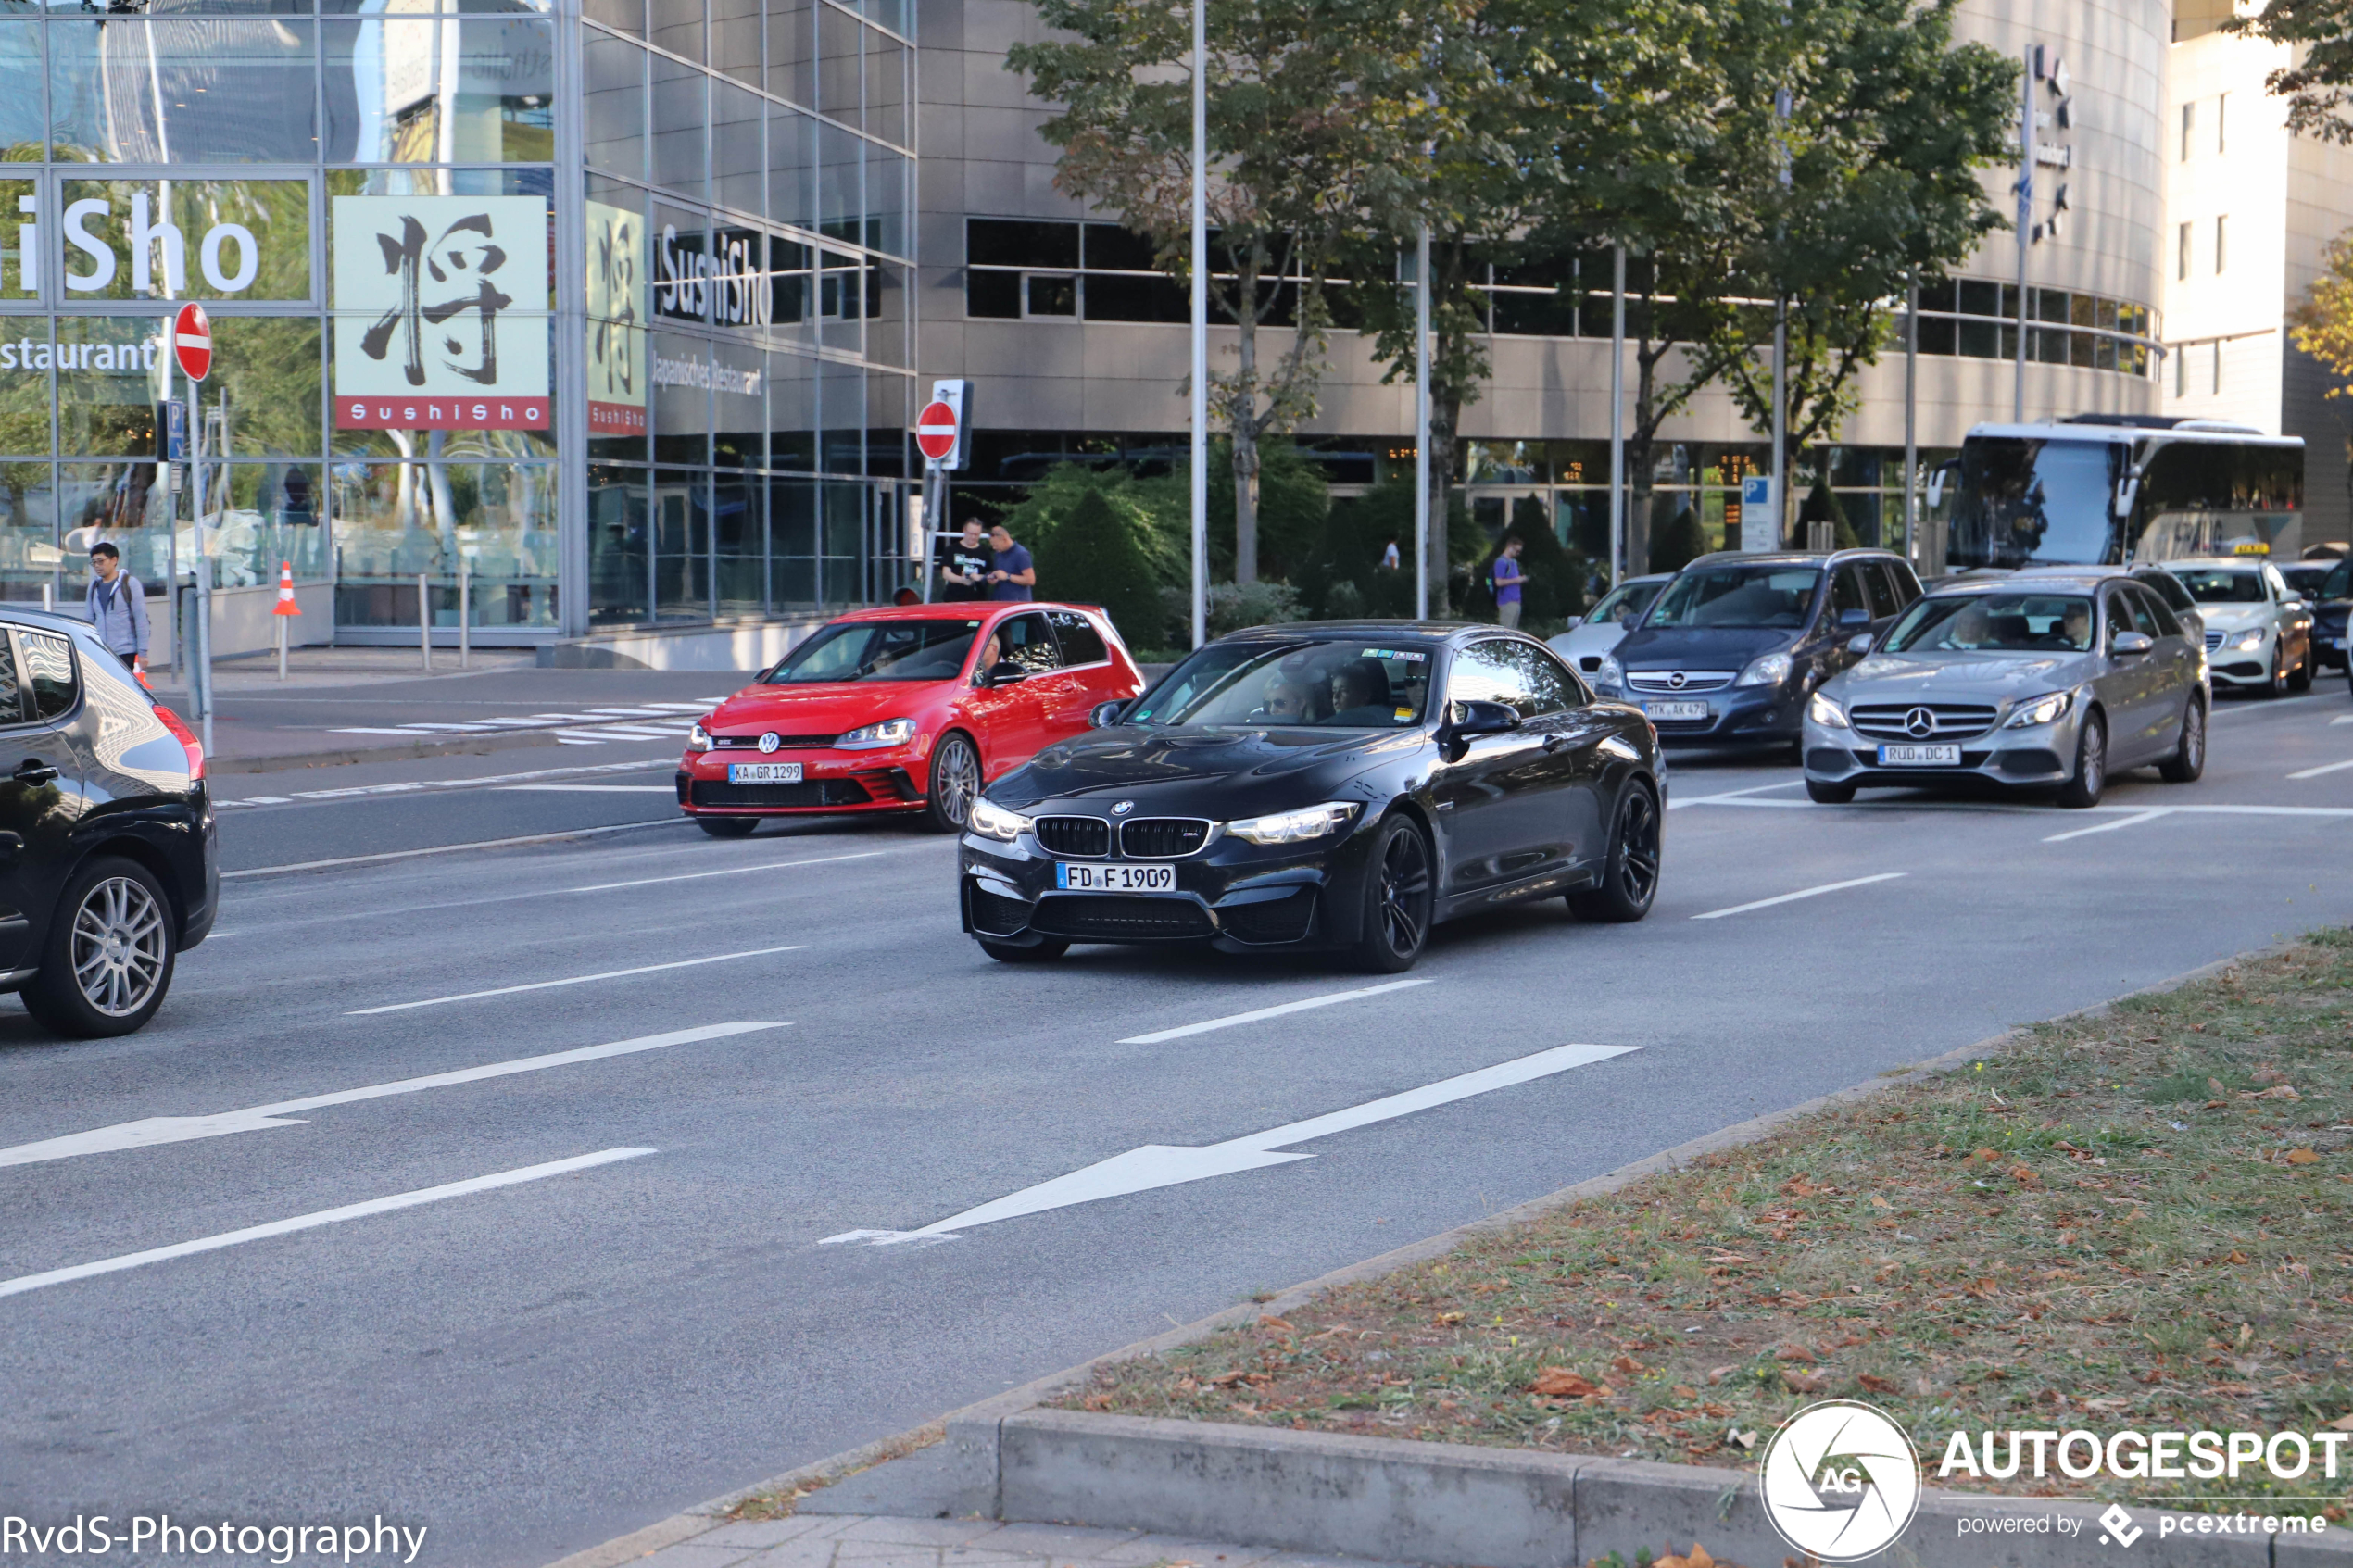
2181, 372
2182, 252
2189, 125
2218, 365
2222, 243
2221, 122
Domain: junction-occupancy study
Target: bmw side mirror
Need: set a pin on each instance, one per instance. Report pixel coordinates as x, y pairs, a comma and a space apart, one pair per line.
2130, 645
1004, 673
1860, 646
1854, 618
1476, 718
1103, 715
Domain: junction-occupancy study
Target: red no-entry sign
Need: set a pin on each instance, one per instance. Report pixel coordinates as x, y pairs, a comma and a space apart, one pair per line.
191, 342
936, 431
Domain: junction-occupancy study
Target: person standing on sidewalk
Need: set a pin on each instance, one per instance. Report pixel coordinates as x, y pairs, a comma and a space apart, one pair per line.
1012, 575
1507, 579
966, 569
118, 607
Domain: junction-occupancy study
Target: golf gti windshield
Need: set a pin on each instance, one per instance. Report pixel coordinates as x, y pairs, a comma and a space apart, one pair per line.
1354, 684
1996, 623
879, 650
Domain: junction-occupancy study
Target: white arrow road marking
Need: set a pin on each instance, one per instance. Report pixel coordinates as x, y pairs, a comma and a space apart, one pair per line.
23, 1282
1160, 1165
1231, 1020
1801, 893
574, 980
153, 1130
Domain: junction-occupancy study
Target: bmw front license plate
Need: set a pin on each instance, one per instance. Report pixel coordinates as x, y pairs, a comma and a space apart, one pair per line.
1676, 709
763, 773
1919, 756
1115, 879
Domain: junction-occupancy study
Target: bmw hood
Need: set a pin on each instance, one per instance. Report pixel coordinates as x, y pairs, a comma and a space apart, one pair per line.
819, 709
1700, 647
1212, 772
1983, 677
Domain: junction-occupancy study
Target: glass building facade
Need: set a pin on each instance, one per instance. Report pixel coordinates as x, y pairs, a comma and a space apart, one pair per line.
612, 306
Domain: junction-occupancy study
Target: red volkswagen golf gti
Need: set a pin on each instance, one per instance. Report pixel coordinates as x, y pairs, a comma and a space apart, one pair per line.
910, 708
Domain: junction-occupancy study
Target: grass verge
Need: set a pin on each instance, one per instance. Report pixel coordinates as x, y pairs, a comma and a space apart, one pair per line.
2141, 1218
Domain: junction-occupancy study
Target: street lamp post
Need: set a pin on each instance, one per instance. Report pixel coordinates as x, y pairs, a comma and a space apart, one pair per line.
1617, 540
2025, 220
1421, 425
1201, 322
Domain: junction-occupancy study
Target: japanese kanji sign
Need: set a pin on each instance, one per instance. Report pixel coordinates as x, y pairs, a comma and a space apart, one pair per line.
441, 313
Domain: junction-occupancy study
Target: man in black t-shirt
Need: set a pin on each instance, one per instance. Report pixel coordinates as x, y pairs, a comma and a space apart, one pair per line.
966, 571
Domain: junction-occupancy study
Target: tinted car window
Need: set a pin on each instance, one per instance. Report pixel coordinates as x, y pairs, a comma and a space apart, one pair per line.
2127, 612
1973, 622
2166, 587
1080, 642
1847, 591
2339, 581
1024, 640
11, 692
1510, 672
49, 674
2223, 585
2156, 610
1339, 684
1738, 594
878, 651
1907, 582
1885, 597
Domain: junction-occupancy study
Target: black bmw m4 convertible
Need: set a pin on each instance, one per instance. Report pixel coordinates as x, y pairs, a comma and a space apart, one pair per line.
1336, 785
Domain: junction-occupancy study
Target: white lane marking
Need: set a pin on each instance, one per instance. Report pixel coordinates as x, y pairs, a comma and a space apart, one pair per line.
2135, 820
487, 781
1232, 1020
1801, 893
23, 1282
638, 732
574, 980
454, 848
2246, 810
2329, 768
1160, 1165
589, 789
2347, 720
149, 1131
1737, 794
731, 870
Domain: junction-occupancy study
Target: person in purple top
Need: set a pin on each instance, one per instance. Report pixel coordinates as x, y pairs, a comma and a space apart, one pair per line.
1508, 578
1012, 575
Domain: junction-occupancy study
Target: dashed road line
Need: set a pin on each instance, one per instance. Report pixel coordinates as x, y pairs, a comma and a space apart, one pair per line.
1801, 893
488, 781
2327, 767
1231, 1020
574, 980
2135, 820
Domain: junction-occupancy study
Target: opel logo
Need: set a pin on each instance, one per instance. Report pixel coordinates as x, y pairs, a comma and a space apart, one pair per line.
1920, 724
1677, 680
769, 742
1122, 808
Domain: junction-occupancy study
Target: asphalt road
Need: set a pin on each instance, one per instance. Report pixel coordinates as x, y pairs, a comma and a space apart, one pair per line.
530, 1368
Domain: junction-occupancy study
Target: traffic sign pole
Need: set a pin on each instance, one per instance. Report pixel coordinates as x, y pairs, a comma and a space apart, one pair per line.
939, 437
191, 349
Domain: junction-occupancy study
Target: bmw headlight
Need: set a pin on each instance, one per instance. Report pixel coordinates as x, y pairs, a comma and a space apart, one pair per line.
1609, 672
2040, 711
1769, 671
698, 738
874, 737
995, 821
2250, 638
1296, 827
1825, 712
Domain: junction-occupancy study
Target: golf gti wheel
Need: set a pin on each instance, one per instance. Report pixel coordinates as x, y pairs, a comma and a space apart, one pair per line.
1630, 877
107, 960
2091, 765
2189, 752
955, 784
1400, 896
727, 827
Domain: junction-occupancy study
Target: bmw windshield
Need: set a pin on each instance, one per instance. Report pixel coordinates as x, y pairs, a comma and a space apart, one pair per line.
878, 651
1738, 594
1355, 684
1996, 624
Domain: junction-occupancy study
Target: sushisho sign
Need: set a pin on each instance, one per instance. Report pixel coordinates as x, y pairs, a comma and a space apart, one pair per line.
441, 313
617, 359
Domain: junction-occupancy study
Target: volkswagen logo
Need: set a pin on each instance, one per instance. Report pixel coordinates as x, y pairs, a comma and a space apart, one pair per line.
1677, 680
769, 741
1920, 724
1122, 808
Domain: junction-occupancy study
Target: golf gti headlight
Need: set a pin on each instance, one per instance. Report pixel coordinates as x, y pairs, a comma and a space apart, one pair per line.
1296, 827
698, 738
1769, 671
874, 737
995, 821
2250, 638
2040, 711
1825, 712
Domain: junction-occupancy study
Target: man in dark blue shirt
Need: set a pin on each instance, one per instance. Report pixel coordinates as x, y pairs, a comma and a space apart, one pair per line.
1011, 575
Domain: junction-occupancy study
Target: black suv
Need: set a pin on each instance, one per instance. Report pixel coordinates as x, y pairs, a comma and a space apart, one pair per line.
107, 861
1733, 647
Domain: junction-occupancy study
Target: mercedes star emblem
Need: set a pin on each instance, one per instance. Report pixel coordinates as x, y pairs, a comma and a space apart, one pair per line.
769, 741
1920, 724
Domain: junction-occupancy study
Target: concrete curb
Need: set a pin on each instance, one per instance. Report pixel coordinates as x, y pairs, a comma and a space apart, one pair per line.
399, 751
1200, 1457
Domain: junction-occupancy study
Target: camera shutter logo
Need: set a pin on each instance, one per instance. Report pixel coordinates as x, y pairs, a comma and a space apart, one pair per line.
769, 741
1840, 1481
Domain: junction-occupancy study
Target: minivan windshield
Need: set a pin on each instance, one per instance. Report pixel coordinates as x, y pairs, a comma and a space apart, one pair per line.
1738, 594
2224, 586
1995, 622
879, 650
1343, 686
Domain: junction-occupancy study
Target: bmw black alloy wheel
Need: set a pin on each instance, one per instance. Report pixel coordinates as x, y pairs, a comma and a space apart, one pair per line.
1398, 913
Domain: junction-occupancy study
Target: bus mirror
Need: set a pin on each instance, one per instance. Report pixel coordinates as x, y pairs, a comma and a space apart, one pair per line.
1936, 478
2128, 490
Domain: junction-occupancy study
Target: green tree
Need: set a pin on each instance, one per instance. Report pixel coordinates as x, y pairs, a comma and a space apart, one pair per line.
1681, 542
1141, 509
2321, 326
2318, 81
1287, 150
1095, 556
1821, 505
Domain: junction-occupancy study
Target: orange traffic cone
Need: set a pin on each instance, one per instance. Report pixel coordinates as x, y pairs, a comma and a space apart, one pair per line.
286, 604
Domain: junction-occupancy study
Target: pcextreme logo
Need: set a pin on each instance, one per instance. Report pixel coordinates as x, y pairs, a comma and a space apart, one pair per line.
1840, 1481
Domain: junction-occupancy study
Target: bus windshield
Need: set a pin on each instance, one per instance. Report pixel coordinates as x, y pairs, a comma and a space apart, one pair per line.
2024, 502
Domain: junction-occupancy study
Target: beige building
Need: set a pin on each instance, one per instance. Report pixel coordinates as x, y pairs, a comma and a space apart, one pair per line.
2250, 211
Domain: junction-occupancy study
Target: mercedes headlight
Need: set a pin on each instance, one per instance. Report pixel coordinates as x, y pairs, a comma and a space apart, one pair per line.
698, 738
2040, 711
1609, 672
1769, 671
995, 821
1825, 712
2250, 638
1296, 827
873, 737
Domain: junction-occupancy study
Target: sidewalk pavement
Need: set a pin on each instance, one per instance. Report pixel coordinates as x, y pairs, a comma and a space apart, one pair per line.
869, 1541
